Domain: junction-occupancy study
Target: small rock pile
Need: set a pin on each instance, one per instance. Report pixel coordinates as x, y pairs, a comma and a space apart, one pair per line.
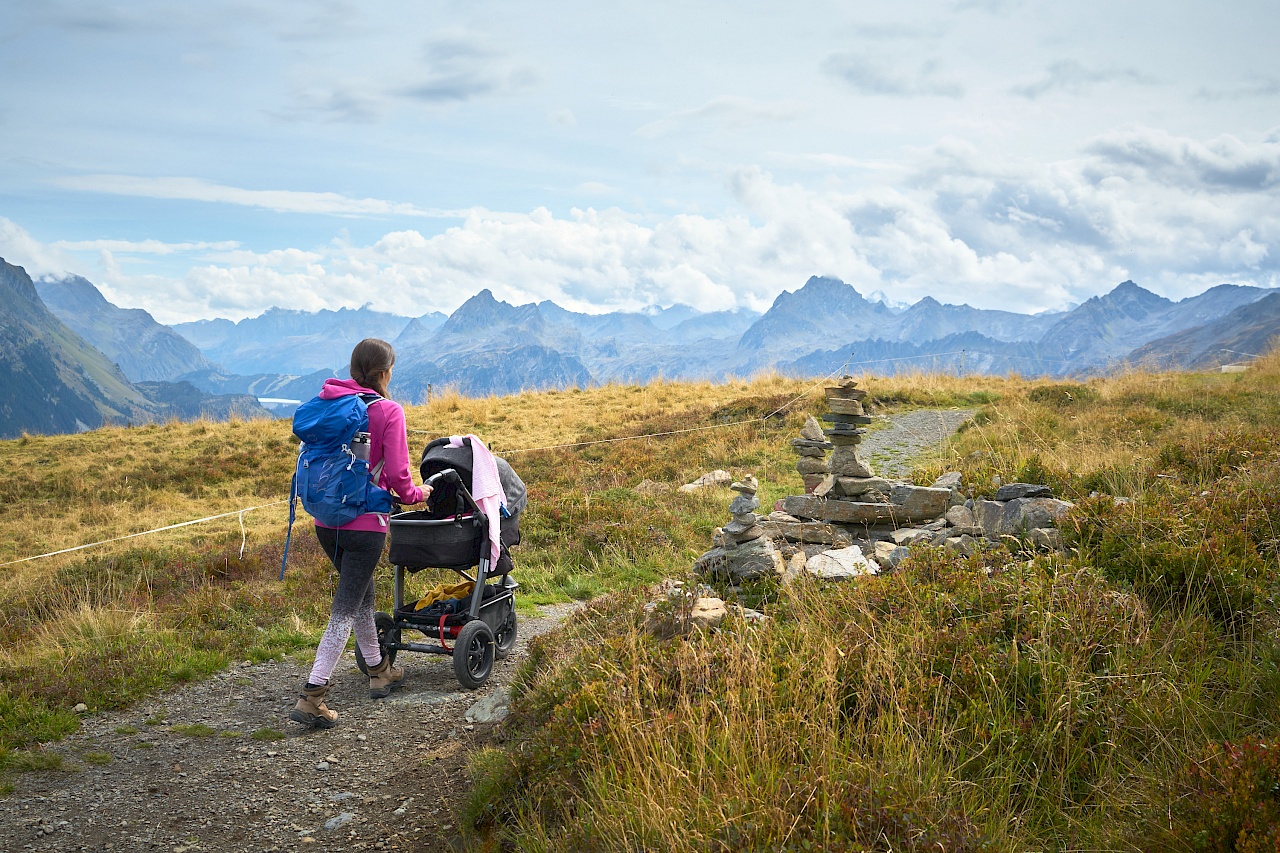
812, 449
842, 536
844, 404
742, 551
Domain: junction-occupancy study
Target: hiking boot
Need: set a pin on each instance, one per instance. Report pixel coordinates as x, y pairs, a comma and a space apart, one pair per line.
311, 710
383, 677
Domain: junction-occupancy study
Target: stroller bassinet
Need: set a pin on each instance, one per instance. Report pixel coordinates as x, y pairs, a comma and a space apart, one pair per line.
459, 545
453, 533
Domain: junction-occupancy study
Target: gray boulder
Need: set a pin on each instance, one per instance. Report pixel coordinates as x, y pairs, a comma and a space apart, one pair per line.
1045, 538
841, 565
1011, 491
1019, 515
753, 560
910, 536
961, 516
805, 531
708, 481
949, 480
855, 486
920, 502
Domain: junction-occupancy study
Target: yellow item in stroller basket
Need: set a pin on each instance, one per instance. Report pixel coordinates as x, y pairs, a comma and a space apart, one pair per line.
442, 592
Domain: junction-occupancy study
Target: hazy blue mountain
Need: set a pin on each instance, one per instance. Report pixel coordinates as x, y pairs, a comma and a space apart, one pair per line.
930, 319
1107, 328
481, 372
1248, 330
51, 379
824, 311
668, 318
485, 324
962, 353
620, 325
187, 402
827, 313
418, 330
144, 349
290, 342
273, 385
714, 325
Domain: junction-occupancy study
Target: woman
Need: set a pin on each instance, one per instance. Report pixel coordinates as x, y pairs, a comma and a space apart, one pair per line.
356, 547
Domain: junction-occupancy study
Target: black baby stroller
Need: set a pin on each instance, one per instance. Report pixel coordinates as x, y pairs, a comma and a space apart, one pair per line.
453, 533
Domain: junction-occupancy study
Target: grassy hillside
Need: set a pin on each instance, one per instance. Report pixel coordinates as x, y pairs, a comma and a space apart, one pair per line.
104, 625
1124, 696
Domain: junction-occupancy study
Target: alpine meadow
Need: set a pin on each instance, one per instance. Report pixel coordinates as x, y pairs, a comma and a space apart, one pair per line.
1120, 694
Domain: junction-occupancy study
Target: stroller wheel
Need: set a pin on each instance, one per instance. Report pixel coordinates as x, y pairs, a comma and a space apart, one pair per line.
505, 639
473, 654
388, 634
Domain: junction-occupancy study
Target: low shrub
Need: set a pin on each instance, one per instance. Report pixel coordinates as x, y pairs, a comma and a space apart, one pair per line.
1225, 800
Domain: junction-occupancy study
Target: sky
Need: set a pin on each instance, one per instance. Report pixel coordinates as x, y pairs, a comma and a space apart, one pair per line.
215, 159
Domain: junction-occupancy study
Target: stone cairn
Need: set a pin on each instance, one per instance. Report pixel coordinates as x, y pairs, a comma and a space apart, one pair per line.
812, 449
742, 551
849, 522
844, 404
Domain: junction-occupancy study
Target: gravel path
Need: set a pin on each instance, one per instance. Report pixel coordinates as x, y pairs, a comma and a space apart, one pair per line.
184, 771
891, 450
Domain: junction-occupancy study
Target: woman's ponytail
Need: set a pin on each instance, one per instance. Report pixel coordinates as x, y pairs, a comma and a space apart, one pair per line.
371, 360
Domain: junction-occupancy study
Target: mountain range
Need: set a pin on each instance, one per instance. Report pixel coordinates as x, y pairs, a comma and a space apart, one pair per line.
118, 365
54, 379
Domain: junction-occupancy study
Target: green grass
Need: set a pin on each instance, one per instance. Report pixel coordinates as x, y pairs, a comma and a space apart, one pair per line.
98, 758
1122, 696
194, 730
267, 734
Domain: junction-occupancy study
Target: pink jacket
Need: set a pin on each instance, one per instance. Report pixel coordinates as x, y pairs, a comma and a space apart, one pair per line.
387, 440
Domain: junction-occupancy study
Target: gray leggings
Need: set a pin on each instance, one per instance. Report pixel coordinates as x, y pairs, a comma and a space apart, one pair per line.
355, 555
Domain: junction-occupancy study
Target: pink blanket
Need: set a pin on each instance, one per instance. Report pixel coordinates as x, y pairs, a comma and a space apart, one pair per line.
486, 488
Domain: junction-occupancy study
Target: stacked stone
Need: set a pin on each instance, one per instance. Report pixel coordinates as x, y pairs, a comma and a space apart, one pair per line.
745, 524
844, 402
812, 449
744, 552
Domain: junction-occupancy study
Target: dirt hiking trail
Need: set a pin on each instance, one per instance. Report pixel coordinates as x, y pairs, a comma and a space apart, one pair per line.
183, 772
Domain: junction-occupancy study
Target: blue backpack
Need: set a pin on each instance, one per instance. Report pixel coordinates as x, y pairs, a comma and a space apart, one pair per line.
334, 484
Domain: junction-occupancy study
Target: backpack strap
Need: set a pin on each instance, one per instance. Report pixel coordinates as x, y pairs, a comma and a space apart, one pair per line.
293, 509
369, 400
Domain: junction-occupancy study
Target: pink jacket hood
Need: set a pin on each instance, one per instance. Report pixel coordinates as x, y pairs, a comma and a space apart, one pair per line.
335, 388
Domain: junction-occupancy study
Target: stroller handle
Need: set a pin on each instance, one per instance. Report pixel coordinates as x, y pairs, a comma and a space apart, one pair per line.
448, 475
465, 500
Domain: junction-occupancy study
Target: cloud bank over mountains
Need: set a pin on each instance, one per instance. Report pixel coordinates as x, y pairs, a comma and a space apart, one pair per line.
1175, 213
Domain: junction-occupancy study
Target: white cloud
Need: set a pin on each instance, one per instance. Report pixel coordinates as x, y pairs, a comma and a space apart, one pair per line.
283, 201
728, 111
460, 66
877, 77
19, 248
1068, 75
142, 247
1175, 214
